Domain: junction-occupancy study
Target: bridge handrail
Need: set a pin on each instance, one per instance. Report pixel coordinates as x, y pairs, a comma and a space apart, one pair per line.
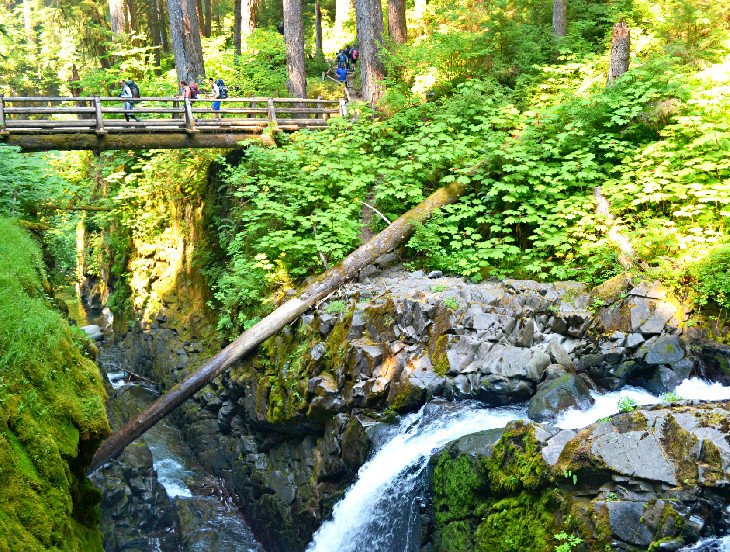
296, 112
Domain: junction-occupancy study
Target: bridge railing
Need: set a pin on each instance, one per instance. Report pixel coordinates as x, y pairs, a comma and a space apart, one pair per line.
102, 114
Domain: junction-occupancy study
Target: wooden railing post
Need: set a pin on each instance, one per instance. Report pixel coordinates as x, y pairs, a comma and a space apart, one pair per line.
99, 116
189, 119
272, 111
343, 107
3, 128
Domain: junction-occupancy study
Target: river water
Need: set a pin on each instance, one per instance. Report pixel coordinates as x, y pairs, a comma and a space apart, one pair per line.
209, 519
380, 511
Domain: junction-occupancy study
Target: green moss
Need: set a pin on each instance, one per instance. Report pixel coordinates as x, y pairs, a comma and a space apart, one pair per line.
459, 487
516, 462
679, 443
439, 360
380, 319
457, 536
523, 522
406, 397
51, 411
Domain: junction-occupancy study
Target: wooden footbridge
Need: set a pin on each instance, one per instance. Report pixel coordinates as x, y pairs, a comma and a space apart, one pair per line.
98, 123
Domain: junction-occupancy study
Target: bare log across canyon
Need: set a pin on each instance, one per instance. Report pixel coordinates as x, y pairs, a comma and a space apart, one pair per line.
247, 342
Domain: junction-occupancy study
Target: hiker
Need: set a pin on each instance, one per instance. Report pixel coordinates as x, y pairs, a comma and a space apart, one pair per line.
341, 73
128, 103
354, 54
216, 95
342, 60
185, 89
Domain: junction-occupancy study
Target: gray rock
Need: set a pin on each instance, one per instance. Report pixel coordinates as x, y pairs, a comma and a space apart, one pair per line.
667, 349
556, 395
555, 445
498, 391
663, 313
633, 340
636, 454
435, 274
560, 356
625, 518
318, 352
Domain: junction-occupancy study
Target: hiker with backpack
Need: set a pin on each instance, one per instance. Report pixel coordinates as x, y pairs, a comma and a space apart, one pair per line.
129, 90
219, 92
342, 60
354, 54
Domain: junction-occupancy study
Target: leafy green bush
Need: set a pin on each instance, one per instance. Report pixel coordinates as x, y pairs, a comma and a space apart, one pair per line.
627, 404
712, 277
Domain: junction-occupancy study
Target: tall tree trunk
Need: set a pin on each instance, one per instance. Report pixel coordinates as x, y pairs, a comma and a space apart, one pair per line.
419, 8
248, 20
294, 38
369, 16
156, 29
397, 21
207, 24
620, 51
247, 342
132, 16
318, 51
560, 17
342, 13
201, 19
185, 34
118, 13
164, 25
237, 23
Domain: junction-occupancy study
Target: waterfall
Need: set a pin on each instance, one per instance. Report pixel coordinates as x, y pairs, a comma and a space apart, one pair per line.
607, 403
380, 511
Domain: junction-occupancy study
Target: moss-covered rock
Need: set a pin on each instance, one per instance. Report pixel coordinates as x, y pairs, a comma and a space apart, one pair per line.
51, 412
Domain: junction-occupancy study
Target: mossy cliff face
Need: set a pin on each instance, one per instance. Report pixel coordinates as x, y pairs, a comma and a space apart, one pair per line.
646, 480
51, 412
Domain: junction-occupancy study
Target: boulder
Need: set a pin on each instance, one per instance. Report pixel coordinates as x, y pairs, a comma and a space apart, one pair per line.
561, 393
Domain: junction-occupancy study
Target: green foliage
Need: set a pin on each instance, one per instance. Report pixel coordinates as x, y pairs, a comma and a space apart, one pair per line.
671, 397
335, 307
626, 404
51, 411
711, 277
451, 303
568, 542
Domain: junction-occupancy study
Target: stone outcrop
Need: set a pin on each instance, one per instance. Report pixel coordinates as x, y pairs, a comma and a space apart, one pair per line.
651, 479
288, 429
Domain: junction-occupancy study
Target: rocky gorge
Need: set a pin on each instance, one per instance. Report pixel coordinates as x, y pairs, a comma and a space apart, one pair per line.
288, 429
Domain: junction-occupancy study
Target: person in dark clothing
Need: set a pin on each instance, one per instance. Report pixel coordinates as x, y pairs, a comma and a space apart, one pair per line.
128, 104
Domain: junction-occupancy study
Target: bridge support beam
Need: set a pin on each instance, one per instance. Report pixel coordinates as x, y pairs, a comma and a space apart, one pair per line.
128, 141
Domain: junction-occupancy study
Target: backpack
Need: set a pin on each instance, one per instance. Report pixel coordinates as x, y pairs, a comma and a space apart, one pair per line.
341, 57
354, 53
222, 89
133, 88
194, 91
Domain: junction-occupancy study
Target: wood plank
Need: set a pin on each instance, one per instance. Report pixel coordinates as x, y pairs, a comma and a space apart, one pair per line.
26, 123
2, 113
143, 110
48, 110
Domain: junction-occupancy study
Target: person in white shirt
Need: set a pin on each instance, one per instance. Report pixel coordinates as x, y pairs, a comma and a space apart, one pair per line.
128, 104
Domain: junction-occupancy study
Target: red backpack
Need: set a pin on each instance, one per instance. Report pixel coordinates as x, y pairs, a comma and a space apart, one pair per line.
194, 91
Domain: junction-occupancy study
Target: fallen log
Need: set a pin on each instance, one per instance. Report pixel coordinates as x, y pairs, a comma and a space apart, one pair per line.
287, 313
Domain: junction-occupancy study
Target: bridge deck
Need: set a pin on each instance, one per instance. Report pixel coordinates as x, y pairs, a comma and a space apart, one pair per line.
98, 123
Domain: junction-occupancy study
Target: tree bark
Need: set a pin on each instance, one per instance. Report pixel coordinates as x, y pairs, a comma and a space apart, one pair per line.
318, 51
118, 15
397, 30
342, 13
294, 38
164, 25
201, 16
369, 16
185, 34
132, 19
27, 22
620, 51
156, 30
237, 22
208, 20
247, 342
560, 17
248, 20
